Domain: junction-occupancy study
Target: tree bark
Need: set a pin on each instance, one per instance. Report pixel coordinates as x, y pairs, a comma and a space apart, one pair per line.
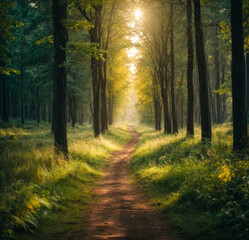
37, 105
44, 113
49, 112
217, 76
190, 66
238, 78
223, 97
96, 89
5, 117
247, 83
182, 112
110, 104
202, 69
174, 118
102, 66
60, 76
95, 38
157, 103
72, 104
21, 90
212, 103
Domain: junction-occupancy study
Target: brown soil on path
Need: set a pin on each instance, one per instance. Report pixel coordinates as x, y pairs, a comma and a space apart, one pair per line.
118, 210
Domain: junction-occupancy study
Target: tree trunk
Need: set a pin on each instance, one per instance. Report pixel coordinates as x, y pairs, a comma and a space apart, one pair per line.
44, 113
95, 38
223, 97
4, 99
217, 76
96, 89
104, 117
73, 110
157, 112
49, 112
167, 120
60, 77
164, 90
238, 78
174, 118
190, 66
247, 83
21, 91
1, 98
182, 112
110, 103
212, 103
37, 105
202, 69
160, 116
103, 96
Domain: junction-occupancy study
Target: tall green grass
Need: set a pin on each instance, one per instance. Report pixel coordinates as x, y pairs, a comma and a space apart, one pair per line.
45, 194
204, 188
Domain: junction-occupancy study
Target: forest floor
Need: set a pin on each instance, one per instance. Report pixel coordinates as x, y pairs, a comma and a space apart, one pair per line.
119, 210
121, 186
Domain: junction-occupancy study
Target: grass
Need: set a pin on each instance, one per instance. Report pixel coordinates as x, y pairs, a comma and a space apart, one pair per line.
44, 194
204, 188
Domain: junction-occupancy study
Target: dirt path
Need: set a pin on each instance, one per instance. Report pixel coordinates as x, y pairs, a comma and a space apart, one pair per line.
118, 211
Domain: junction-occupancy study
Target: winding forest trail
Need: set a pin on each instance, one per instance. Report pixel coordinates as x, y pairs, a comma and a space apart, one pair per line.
118, 210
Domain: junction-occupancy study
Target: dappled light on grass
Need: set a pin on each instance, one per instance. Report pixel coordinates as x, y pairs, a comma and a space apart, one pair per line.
203, 187
49, 183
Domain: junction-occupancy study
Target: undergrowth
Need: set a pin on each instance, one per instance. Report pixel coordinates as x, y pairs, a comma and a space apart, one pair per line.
203, 187
45, 194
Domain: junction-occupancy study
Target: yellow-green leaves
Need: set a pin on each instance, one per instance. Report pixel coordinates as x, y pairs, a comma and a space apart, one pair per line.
46, 39
8, 71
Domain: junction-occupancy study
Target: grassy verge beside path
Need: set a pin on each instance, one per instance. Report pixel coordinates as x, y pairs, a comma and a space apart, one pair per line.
202, 188
47, 195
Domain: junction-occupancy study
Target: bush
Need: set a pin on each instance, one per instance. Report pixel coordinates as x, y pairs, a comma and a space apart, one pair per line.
21, 207
197, 184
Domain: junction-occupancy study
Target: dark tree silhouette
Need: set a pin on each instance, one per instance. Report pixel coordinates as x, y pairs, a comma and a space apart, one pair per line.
60, 76
190, 111
238, 78
4, 98
202, 69
217, 76
174, 118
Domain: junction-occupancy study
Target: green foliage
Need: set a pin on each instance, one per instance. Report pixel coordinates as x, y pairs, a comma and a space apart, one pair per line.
203, 187
73, 24
8, 71
224, 88
46, 39
39, 189
7, 23
21, 206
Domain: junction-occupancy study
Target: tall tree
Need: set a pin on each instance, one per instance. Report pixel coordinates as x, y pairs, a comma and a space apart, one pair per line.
106, 42
238, 78
247, 82
190, 110
217, 75
59, 9
92, 12
174, 118
4, 108
202, 70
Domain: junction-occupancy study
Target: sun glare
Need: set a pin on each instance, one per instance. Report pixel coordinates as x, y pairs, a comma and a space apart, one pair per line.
132, 52
134, 39
138, 14
133, 68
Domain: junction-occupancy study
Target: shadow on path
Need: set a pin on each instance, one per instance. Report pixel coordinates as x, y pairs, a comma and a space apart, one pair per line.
118, 210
